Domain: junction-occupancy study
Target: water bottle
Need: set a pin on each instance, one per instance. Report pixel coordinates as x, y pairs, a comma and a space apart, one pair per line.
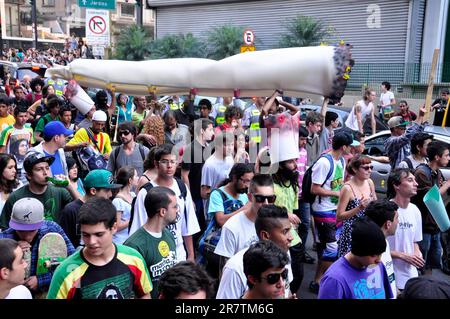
58, 182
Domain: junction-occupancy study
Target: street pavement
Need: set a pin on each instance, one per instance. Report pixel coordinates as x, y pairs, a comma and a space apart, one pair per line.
310, 270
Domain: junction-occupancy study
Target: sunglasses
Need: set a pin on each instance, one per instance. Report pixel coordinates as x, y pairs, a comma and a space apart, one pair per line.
366, 167
261, 198
124, 133
272, 279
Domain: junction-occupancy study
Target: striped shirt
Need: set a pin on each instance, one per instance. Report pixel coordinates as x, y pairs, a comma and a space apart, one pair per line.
124, 277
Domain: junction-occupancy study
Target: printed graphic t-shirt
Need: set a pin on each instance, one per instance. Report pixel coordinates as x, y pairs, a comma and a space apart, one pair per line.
159, 253
124, 277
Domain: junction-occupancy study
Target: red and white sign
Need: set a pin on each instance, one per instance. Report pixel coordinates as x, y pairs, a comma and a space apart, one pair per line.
249, 37
97, 27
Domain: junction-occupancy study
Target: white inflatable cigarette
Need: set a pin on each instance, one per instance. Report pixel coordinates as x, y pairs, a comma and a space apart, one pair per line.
321, 70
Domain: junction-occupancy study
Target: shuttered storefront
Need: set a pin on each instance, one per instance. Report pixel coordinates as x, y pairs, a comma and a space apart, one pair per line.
375, 40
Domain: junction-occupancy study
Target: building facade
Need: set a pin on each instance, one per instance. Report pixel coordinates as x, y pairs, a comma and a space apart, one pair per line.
400, 34
58, 20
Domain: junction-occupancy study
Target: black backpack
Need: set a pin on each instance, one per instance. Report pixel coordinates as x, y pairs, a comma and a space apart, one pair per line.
148, 186
307, 195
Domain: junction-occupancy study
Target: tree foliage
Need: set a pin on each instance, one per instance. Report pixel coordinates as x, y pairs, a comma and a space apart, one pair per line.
224, 41
177, 46
305, 31
133, 44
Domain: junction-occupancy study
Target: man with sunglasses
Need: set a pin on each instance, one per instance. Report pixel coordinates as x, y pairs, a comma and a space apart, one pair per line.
239, 231
397, 146
266, 272
129, 153
271, 224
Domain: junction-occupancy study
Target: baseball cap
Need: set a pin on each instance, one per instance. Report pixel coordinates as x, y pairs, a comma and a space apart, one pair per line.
344, 138
397, 121
100, 178
56, 128
35, 158
27, 214
99, 116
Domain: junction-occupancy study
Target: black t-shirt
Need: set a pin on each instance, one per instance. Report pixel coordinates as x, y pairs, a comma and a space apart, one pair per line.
439, 115
69, 221
185, 118
194, 157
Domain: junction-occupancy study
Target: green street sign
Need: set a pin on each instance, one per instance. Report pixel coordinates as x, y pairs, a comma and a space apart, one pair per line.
98, 4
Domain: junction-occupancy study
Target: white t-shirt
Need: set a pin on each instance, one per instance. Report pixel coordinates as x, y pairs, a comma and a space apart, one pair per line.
237, 233
124, 207
181, 228
216, 170
19, 292
415, 163
319, 174
409, 231
233, 282
385, 98
366, 111
386, 259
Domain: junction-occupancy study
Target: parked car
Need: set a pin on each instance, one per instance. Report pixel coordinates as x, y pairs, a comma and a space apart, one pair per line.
375, 147
19, 69
343, 113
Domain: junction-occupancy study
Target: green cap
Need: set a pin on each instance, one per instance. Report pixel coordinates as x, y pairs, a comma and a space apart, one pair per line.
100, 178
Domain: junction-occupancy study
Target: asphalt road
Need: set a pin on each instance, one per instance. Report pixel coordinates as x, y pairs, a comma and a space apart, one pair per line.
310, 270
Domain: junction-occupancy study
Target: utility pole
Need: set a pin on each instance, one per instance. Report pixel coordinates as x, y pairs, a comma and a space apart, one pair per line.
1, 38
34, 23
139, 16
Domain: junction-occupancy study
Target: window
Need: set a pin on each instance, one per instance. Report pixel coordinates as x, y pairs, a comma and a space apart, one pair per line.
48, 3
127, 9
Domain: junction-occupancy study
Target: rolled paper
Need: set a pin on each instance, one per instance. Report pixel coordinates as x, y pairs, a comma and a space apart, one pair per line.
435, 204
78, 97
320, 70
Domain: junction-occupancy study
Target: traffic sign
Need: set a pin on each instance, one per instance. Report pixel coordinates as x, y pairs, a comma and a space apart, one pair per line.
98, 4
249, 37
98, 51
97, 27
247, 48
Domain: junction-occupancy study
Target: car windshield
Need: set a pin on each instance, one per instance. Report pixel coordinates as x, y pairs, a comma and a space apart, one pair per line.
22, 72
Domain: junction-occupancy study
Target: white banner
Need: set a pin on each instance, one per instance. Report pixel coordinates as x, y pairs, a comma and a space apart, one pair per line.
97, 27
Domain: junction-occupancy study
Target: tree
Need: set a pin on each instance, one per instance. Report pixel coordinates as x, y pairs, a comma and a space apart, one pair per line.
305, 31
224, 41
177, 46
133, 44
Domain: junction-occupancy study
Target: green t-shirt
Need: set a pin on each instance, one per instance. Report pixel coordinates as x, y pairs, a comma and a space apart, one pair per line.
54, 200
124, 277
43, 121
286, 197
159, 253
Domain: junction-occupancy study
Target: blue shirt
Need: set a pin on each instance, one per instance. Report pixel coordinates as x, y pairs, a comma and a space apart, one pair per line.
216, 203
56, 167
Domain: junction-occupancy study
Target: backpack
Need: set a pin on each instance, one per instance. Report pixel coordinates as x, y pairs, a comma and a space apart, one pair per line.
148, 186
409, 163
307, 195
88, 159
211, 236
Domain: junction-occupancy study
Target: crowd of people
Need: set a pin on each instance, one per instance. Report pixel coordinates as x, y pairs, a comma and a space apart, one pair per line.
153, 200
